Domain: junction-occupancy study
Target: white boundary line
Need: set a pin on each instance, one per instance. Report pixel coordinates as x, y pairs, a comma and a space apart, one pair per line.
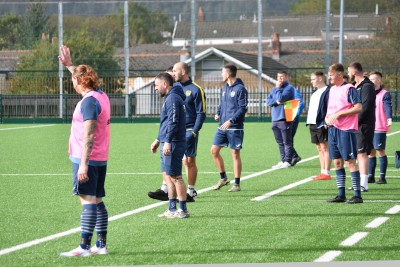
355, 238
393, 210
377, 222
282, 189
108, 173
329, 256
122, 215
27, 127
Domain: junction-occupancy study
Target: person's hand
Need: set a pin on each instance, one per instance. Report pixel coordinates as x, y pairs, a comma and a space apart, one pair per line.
389, 122
82, 173
279, 84
216, 117
65, 56
225, 125
331, 119
167, 149
154, 146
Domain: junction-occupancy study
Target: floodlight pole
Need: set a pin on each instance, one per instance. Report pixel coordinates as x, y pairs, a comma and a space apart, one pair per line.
126, 57
341, 32
260, 59
327, 39
60, 65
193, 41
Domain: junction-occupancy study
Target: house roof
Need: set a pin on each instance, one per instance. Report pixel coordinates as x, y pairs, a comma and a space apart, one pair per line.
286, 26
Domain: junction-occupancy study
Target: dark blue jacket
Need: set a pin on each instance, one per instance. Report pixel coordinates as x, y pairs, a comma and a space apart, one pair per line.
195, 104
282, 94
233, 104
322, 108
172, 118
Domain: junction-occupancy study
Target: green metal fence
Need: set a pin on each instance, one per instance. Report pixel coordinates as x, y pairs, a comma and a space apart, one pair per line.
14, 108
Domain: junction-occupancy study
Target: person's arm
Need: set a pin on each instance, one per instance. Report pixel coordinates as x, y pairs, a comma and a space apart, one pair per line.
173, 113
286, 94
87, 146
200, 105
242, 103
387, 105
271, 100
65, 58
367, 100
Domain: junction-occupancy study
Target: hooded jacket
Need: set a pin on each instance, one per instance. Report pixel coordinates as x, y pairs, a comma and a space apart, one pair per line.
283, 94
233, 104
195, 104
172, 117
366, 91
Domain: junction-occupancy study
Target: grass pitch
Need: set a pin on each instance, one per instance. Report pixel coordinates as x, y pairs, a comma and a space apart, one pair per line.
296, 225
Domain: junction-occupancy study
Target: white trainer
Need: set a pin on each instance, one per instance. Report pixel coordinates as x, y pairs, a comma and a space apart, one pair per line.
180, 214
277, 166
166, 213
99, 251
78, 252
285, 165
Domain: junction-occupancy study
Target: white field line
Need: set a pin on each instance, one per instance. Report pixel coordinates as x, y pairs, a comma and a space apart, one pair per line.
282, 189
355, 238
377, 222
393, 210
122, 215
27, 127
329, 256
390, 134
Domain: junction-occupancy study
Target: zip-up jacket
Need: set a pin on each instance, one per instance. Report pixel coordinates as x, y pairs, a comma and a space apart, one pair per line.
233, 104
195, 104
172, 118
322, 108
366, 90
282, 94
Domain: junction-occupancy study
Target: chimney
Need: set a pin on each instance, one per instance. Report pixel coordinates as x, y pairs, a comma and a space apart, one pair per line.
184, 54
200, 15
387, 25
276, 46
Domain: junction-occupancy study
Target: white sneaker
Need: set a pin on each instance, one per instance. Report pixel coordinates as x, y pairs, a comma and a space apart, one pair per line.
180, 214
78, 252
285, 165
167, 214
99, 251
277, 166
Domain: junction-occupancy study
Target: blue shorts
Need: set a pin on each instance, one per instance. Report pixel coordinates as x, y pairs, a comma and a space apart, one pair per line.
95, 185
234, 138
172, 164
379, 140
191, 144
342, 144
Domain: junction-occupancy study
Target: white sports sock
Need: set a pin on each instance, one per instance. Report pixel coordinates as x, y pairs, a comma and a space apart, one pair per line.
190, 190
164, 188
364, 181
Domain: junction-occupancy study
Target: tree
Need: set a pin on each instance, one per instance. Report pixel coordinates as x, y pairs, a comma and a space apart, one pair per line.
34, 23
37, 73
9, 30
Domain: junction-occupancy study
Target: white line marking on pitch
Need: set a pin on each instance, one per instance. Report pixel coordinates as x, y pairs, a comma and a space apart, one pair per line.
377, 222
356, 237
109, 173
27, 127
329, 256
122, 215
390, 134
393, 210
282, 189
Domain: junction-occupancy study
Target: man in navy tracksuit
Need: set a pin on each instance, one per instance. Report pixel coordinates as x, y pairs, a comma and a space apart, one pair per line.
230, 114
282, 129
171, 136
195, 104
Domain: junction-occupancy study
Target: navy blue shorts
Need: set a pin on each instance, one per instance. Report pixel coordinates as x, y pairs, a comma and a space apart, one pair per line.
191, 144
234, 138
379, 140
172, 164
95, 185
342, 144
